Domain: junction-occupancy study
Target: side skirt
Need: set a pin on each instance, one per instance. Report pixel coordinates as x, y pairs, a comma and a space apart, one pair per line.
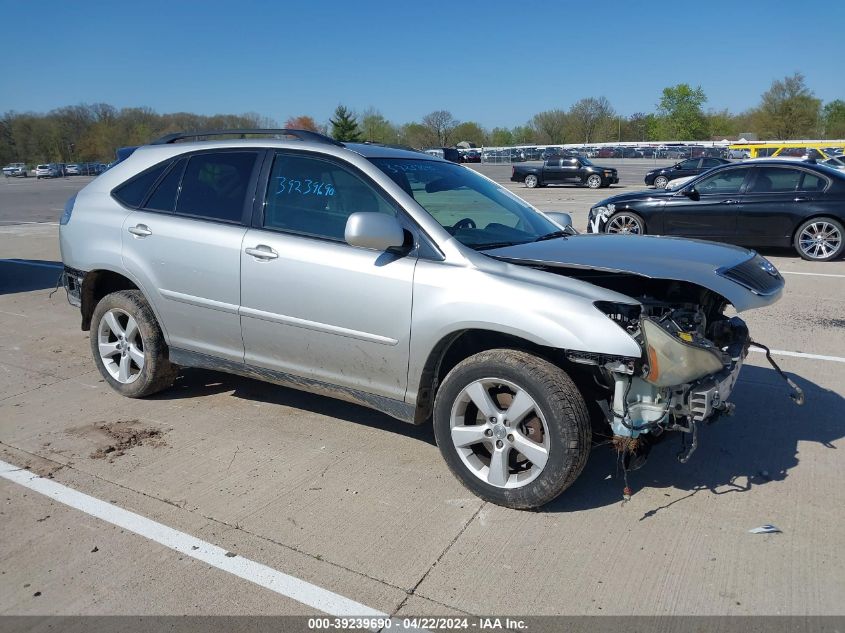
394, 408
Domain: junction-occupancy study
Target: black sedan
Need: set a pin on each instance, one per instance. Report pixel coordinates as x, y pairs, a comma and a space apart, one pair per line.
690, 167
766, 203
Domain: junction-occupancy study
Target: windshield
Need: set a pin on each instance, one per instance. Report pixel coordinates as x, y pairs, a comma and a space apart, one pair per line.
478, 212
585, 161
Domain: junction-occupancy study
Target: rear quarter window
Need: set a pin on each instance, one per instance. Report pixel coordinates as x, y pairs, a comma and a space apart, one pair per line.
134, 191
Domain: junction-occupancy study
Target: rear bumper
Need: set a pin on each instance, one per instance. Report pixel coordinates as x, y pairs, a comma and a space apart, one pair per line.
72, 280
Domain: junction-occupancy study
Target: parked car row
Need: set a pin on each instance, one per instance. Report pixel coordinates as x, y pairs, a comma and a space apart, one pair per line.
54, 170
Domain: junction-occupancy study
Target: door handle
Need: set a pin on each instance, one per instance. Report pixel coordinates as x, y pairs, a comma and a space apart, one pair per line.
140, 230
729, 201
800, 199
262, 251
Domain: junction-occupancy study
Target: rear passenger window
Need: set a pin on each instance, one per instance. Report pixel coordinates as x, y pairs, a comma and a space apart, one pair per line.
316, 197
812, 182
133, 193
164, 196
776, 179
214, 185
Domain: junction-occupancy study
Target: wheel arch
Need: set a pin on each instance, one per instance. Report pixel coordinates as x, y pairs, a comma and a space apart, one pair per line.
456, 346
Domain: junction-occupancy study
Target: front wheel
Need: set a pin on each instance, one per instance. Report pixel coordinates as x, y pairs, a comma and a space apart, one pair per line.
512, 427
594, 181
531, 181
660, 182
820, 239
128, 345
625, 222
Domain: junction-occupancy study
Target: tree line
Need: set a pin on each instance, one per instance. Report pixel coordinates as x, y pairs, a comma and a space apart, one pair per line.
83, 133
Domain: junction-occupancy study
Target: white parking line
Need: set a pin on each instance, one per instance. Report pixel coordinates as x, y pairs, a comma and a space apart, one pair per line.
262, 575
26, 263
789, 272
780, 352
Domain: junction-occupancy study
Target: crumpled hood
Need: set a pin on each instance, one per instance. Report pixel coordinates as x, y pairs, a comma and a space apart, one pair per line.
680, 259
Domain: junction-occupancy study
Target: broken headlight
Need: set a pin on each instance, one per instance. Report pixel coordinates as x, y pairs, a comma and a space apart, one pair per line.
671, 361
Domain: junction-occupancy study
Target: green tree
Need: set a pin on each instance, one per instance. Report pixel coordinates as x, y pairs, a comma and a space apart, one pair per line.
833, 116
680, 109
417, 135
523, 134
550, 126
589, 116
345, 125
501, 137
375, 128
788, 110
471, 132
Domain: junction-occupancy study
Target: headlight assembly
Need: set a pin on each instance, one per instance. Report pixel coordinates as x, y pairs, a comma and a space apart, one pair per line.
671, 361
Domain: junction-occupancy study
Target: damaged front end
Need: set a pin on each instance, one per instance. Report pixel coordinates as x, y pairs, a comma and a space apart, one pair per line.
690, 364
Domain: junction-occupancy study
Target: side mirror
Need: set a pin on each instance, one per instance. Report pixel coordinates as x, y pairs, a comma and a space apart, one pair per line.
376, 231
692, 193
563, 220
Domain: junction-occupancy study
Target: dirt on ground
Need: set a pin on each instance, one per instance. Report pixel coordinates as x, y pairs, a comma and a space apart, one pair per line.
124, 435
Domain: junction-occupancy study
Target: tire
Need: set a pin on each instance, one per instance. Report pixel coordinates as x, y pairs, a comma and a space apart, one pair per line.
820, 239
660, 182
594, 181
625, 222
140, 351
531, 181
553, 412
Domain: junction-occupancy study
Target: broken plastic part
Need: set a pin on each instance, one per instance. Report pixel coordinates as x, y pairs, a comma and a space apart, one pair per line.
765, 529
671, 361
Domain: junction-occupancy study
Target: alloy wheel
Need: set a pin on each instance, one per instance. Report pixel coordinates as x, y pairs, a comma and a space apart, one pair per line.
499, 433
819, 240
623, 223
120, 346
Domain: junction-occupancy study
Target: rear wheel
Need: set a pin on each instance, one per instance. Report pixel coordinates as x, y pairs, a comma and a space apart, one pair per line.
128, 345
625, 222
820, 239
660, 182
531, 181
594, 181
512, 427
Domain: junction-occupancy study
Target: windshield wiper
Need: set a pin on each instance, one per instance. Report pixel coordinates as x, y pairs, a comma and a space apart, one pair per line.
484, 247
553, 235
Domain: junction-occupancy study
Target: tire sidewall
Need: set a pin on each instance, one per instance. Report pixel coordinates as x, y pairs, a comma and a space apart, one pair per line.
566, 446
133, 303
836, 255
639, 220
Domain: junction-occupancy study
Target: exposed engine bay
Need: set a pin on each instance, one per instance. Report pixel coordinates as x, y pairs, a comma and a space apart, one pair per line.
692, 356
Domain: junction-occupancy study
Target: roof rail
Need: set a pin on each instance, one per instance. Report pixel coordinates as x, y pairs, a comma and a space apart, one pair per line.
302, 135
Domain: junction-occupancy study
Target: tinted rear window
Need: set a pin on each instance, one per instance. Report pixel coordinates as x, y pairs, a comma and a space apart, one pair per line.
164, 196
133, 192
214, 185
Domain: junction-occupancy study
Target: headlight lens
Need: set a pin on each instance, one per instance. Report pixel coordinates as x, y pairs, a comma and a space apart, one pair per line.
673, 362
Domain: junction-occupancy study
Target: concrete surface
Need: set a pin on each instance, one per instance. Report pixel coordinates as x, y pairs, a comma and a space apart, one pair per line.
360, 504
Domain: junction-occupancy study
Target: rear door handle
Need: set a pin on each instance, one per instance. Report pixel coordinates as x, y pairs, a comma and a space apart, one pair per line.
729, 201
800, 199
140, 230
262, 251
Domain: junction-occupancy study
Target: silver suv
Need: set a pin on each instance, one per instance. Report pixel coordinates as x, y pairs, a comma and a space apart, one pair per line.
411, 285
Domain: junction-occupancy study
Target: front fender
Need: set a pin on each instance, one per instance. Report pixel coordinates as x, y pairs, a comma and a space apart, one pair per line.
543, 308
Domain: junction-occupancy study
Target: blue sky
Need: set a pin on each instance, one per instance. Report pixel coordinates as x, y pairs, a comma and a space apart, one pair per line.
494, 62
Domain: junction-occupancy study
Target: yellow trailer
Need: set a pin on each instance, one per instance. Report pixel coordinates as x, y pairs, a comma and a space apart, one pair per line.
817, 149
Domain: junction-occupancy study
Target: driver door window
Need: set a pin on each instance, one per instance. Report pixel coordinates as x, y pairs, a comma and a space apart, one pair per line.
727, 182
